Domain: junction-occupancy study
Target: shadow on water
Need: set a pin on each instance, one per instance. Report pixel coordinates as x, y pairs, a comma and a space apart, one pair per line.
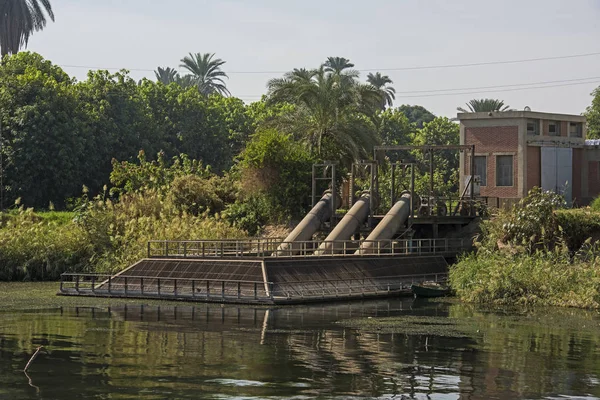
375, 349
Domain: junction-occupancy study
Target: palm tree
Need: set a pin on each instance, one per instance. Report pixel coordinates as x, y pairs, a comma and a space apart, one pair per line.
380, 82
327, 113
18, 20
288, 88
186, 81
206, 73
166, 75
337, 64
485, 105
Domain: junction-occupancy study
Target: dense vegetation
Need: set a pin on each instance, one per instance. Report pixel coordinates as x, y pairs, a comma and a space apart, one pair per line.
181, 161
58, 134
536, 253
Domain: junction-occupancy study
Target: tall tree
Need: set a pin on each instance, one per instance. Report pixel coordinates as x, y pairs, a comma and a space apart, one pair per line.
338, 65
381, 83
417, 115
166, 75
206, 73
329, 113
485, 105
19, 19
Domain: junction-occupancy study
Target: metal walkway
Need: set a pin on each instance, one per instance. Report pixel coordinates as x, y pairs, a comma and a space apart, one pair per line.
250, 271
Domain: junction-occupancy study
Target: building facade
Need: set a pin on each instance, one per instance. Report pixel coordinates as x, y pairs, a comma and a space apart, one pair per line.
518, 150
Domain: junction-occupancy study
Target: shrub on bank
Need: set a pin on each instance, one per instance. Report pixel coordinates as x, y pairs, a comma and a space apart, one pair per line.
537, 253
545, 278
39, 248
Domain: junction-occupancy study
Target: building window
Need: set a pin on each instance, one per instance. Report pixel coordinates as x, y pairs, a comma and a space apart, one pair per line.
575, 129
553, 128
504, 170
533, 127
481, 169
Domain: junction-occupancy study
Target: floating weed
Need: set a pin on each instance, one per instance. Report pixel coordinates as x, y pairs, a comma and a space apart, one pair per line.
412, 325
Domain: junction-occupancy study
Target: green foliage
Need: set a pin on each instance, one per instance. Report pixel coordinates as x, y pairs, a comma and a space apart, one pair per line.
274, 165
532, 224
382, 82
252, 213
485, 105
592, 113
333, 111
595, 204
119, 231
537, 253
77, 128
42, 146
128, 177
34, 247
194, 195
394, 127
19, 19
544, 277
440, 131
417, 115
205, 73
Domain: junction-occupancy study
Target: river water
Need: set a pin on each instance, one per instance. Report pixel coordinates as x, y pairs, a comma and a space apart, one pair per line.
390, 349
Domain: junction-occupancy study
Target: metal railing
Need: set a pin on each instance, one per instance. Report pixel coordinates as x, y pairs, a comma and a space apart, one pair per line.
259, 248
351, 287
163, 287
238, 290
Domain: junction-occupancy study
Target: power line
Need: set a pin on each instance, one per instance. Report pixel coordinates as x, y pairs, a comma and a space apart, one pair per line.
443, 66
499, 90
500, 86
477, 64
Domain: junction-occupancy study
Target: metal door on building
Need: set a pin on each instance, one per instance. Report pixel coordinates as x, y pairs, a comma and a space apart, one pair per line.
557, 171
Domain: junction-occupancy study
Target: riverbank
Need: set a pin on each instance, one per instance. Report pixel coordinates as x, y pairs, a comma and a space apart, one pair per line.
538, 253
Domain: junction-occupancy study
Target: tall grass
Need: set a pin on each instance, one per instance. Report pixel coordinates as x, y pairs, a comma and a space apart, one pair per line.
36, 248
537, 253
105, 236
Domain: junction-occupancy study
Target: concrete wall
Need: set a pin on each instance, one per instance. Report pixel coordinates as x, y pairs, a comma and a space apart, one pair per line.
493, 141
505, 133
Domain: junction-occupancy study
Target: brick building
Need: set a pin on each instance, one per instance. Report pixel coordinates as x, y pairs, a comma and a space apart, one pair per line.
518, 150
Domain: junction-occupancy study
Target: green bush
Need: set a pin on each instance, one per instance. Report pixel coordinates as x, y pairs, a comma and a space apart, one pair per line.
34, 247
595, 204
544, 278
537, 253
194, 195
279, 169
251, 214
119, 231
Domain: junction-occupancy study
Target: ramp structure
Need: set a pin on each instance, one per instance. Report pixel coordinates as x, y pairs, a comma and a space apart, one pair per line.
301, 268
252, 271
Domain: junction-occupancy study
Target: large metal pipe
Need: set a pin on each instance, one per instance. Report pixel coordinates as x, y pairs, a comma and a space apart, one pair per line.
311, 223
346, 227
389, 225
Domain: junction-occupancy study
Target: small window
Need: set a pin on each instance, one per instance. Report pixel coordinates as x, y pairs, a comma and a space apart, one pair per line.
575, 129
533, 127
504, 170
553, 128
481, 169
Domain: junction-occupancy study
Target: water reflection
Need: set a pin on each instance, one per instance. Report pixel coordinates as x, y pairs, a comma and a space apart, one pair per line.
212, 351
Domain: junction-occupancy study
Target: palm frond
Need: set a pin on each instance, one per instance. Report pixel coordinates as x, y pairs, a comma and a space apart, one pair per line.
485, 105
207, 73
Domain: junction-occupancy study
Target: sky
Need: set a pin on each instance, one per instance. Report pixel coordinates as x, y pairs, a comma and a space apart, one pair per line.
261, 39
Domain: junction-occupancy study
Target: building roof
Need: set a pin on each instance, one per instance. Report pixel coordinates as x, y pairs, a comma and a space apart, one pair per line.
521, 114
